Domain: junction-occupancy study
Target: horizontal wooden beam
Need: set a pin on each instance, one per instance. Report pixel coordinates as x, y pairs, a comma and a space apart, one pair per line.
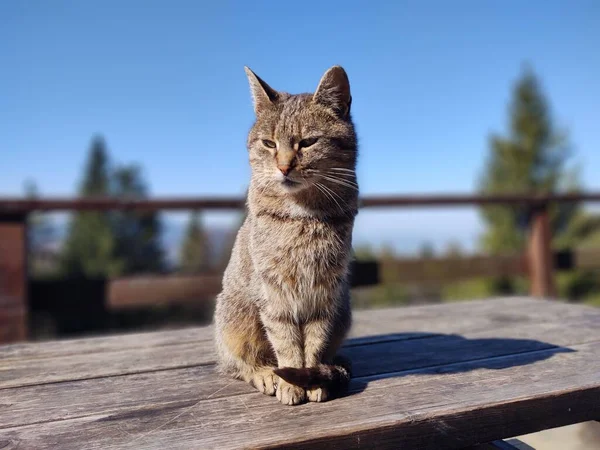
138, 291
476, 200
135, 292
453, 269
23, 206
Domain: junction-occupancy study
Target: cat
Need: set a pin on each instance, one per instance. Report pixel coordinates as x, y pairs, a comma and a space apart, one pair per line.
284, 309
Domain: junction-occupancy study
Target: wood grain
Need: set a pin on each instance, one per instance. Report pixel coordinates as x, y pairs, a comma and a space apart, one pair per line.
460, 317
459, 407
13, 279
371, 360
448, 376
65, 347
475, 338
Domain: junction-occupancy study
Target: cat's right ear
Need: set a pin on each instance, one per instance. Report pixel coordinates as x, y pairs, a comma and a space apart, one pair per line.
263, 95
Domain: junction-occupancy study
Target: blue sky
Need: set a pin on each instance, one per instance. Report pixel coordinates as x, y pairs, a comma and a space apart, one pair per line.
164, 83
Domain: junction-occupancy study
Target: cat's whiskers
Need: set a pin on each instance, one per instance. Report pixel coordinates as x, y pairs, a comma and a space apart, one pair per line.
346, 183
342, 169
328, 193
332, 195
349, 175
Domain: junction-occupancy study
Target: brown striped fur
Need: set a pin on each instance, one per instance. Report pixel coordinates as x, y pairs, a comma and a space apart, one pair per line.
284, 309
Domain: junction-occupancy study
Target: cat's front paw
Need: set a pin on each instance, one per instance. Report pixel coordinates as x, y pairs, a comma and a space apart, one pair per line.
265, 381
317, 395
288, 394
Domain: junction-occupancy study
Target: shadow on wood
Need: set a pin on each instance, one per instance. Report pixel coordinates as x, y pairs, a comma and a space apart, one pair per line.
413, 354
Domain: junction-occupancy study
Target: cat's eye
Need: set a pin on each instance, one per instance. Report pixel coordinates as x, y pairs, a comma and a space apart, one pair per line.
269, 144
308, 142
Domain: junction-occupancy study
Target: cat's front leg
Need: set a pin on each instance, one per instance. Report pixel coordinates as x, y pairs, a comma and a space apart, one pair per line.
286, 337
316, 340
323, 336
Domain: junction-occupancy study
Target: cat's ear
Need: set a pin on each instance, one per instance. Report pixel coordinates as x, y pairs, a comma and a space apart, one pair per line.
263, 95
334, 91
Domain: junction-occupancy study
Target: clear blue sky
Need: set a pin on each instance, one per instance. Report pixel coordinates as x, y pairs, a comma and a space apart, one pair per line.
164, 83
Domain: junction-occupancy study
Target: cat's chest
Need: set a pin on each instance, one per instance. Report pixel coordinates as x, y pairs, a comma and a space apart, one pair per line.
300, 252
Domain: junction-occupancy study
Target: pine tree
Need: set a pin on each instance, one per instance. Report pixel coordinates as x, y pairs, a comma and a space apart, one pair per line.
137, 247
195, 249
90, 243
531, 159
101, 244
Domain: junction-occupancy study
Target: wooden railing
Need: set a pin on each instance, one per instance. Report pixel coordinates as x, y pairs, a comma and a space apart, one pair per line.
539, 263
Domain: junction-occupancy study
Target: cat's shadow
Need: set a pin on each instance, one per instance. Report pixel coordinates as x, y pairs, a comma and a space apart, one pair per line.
401, 354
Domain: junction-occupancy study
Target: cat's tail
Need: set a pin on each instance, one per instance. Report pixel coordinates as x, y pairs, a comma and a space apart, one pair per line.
335, 377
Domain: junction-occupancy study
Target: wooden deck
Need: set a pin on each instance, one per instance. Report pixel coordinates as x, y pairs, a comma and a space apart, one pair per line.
429, 377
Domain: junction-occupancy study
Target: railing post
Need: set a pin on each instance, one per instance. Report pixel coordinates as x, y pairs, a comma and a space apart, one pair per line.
13, 278
540, 261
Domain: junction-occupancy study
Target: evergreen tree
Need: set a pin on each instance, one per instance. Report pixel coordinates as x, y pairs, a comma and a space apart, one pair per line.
426, 251
137, 247
90, 243
532, 158
101, 244
195, 249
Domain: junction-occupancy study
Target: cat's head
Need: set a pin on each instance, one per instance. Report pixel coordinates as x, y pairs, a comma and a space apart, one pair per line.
303, 141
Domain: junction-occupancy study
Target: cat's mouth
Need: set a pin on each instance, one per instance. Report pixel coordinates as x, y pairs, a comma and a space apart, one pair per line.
291, 185
287, 182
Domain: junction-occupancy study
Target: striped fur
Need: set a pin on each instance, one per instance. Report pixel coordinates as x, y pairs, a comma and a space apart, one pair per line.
285, 308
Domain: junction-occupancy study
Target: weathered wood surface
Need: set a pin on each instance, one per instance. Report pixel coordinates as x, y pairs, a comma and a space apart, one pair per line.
446, 376
13, 275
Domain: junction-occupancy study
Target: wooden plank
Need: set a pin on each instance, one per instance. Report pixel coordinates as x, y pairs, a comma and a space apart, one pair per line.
86, 346
13, 273
587, 259
541, 262
467, 316
460, 317
138, 291
453, 269
494, 342
135, 291
25, 372
76, 367
371, 360
23, 206
460, 406
578, 326
12, 319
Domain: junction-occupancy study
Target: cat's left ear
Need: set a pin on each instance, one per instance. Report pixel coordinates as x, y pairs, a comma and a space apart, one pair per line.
263, 95
334, 91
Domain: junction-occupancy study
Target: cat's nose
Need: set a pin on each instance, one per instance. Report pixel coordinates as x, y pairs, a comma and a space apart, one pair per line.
285, 169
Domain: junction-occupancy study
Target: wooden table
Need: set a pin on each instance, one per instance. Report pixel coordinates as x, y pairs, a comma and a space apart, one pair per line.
428, 377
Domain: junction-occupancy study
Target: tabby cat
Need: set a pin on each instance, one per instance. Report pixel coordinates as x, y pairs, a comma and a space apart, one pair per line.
285, 309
